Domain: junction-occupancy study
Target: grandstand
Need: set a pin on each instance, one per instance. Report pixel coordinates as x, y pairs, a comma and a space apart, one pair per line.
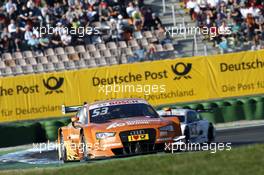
120, 32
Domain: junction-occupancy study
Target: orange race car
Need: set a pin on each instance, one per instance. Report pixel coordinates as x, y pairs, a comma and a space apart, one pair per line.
115, 127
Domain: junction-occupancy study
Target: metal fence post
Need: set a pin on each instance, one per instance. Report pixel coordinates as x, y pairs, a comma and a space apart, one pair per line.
195, 44
164, 6
173, 15
183, 25
205, 49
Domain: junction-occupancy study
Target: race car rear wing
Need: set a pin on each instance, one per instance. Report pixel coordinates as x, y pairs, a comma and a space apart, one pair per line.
70, 109
205, 110
197, 110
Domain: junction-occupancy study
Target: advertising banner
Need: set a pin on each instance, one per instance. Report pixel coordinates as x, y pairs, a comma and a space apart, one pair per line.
236, 74
180, 80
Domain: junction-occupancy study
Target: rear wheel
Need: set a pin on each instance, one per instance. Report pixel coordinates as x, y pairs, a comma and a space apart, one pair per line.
187, 135
211, 133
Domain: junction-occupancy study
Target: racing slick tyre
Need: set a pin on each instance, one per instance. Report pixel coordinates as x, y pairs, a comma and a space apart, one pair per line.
84, 148
62, 150
187, 135
211, 133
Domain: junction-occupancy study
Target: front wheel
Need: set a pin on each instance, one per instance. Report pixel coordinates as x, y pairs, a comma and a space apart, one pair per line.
84, 148
62, 149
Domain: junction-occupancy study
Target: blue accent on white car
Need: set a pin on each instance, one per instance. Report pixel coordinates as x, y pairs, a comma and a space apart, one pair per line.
194, 128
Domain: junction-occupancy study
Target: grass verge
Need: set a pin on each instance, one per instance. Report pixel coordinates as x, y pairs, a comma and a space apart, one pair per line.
238, 161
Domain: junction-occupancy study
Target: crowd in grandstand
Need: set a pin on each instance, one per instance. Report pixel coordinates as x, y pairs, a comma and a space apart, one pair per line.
41, 24
243, 17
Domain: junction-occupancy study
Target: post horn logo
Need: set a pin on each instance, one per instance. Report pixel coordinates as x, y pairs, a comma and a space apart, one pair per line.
53, 87
181, 73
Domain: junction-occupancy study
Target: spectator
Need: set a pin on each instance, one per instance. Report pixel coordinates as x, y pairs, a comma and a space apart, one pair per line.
120, 25
65, 38
56, 40
114, 35
44, 42
192, 6
105, 12
156, 22
5, 33
6, 44
237, 22
33, 42
137, 19
18, 42
223, 46
28, 33
148, 19
91, 14
24, 16
151, 52
12, 27
130, 9
256, 43
10, 6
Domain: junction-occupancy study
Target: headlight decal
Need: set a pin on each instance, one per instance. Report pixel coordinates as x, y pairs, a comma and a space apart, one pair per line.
104, 135
167, 128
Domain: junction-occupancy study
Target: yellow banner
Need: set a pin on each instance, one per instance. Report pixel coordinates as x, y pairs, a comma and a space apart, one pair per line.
236, 74
159, 82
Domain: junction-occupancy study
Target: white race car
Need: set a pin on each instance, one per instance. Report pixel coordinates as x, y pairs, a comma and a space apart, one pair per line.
194, 128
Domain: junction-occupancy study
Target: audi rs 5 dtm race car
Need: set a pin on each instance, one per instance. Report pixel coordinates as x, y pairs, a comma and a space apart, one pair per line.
194, 128
115, 127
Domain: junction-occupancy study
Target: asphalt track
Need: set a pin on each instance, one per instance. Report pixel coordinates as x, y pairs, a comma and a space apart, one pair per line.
236, 136
241, 136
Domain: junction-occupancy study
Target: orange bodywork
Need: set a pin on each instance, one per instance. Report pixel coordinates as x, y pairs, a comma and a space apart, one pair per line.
126, 134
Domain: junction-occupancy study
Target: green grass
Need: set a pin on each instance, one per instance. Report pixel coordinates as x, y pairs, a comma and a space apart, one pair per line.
239, 161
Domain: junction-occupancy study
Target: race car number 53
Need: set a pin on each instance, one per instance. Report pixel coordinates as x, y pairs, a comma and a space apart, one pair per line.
99, 111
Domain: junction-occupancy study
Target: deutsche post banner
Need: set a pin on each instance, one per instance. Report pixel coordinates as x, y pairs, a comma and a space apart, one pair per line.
159, 82
236, 74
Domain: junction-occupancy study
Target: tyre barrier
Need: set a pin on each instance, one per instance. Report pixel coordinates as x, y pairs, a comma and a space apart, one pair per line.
249, 107
196, 106
231, 110
14, 135
30, 132
259, 113
212, 113
51, 128
65, 121
222, 111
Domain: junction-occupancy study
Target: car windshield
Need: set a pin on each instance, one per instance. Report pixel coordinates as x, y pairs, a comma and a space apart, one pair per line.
102, 114
180, 117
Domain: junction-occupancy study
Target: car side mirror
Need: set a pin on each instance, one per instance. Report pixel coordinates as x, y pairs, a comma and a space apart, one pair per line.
74, 120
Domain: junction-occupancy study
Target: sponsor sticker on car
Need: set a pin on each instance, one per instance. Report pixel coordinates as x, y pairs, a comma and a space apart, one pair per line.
138, 137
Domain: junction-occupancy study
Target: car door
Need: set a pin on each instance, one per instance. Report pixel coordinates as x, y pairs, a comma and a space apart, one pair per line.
203, 126
193, 124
